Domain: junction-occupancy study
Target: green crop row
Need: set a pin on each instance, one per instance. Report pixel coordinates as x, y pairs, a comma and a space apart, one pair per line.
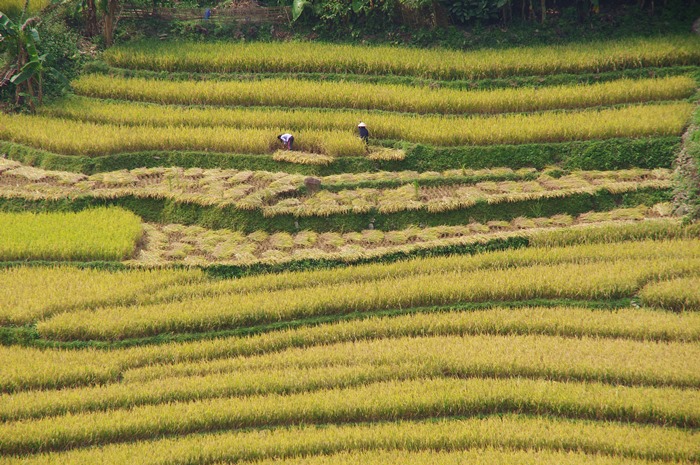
99, 234
443, 64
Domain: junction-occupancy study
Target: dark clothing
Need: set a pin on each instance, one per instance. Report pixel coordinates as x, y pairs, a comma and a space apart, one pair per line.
364, 133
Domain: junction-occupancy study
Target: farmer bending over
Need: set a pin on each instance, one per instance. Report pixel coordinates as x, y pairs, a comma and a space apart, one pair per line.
287, 140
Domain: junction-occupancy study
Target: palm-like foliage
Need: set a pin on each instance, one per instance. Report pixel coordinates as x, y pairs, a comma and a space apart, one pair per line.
24, 67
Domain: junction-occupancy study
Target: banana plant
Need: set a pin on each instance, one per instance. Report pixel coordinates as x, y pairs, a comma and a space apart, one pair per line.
298, 7
25, 67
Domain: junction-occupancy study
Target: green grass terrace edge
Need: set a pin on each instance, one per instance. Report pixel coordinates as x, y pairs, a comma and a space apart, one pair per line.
165, 211
100, 67
687, 190
610, 154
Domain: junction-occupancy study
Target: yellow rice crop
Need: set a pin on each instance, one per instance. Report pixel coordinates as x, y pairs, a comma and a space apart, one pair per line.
70, 288
551, 357
64, 136
594, 281
69, 137
361, 96
387, 400
25, 368
619, 440
98, 234
487, 456
640, 231
677, 294
582, 254
13, 8
32, 293
635, 121
442, 64
47, 371
438, 130
302, 158
354, 363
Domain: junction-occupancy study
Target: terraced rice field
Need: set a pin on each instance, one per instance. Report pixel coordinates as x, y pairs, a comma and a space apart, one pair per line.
499, 276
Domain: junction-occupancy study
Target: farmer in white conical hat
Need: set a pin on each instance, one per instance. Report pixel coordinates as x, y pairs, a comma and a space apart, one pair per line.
364, 133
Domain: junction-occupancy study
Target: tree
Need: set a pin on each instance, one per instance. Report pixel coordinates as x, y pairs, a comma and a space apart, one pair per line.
109, 22
90, 11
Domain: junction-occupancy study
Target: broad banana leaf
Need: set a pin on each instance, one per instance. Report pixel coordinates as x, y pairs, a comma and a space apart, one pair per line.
298, 6
27, 72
